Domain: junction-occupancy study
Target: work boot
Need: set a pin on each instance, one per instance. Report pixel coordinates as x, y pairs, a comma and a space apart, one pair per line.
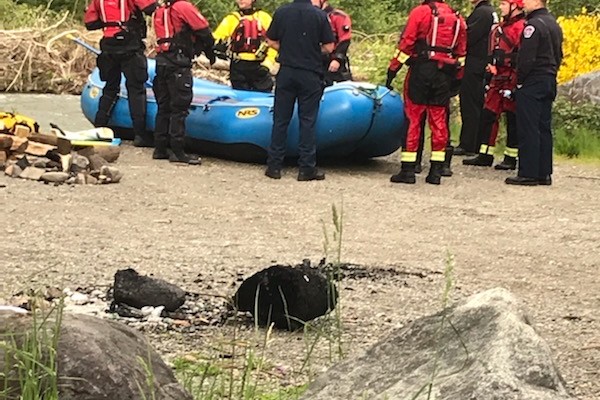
311, 174
161, 146
273, 173
142, 141
177, 155
406, 174
160, 153
508, 164
481, 160
446, 170
435, 173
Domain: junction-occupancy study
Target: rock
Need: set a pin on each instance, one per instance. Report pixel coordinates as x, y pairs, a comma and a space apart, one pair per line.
13, 170
303, 292
108, 153
138, 291
79, 298
96, 162
112, 173
584, 88
79, 163
56, 177
41, 162
506, 358
101, 359
90, 180
80, 179
32, 173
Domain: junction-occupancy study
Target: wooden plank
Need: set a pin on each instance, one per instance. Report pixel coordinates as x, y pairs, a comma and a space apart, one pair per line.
38, 149
45, 138
6, 141
19, 144
21, 131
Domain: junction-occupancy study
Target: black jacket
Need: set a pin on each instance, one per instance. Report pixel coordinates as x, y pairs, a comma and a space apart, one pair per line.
541, 46
479, 24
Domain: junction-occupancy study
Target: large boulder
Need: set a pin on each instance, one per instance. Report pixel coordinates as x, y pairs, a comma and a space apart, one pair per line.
584, 88
504, 359
286, 296
101, 360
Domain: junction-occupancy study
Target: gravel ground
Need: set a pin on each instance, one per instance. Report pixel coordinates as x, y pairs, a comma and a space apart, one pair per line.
204, 227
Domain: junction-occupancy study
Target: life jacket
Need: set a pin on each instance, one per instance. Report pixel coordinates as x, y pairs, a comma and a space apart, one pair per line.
172, 37
248, 35
8, 122
504, 42
120, 18
442, 37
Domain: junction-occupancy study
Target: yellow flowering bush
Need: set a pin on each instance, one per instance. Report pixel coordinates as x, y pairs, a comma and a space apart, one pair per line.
581, 46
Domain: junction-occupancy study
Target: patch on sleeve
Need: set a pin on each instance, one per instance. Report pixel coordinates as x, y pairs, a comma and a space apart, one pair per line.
528, 31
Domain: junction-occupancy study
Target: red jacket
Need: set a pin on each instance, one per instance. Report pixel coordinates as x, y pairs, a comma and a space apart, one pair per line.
504, 44
112, 15
417, 40
178, 23
341, 26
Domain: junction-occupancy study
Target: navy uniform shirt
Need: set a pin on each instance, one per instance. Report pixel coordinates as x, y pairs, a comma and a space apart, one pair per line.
300, 29
541, 46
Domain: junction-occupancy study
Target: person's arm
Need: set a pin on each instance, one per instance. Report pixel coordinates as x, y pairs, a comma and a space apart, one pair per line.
479, 25
526, 60
91, 18
327, 48
274, 32
326, 38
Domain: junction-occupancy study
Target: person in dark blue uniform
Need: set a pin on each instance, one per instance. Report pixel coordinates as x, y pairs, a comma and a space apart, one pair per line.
301, 33
537, 66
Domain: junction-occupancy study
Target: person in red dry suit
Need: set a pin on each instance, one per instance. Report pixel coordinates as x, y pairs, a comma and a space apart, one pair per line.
182, 33
433, 44
123, 27
502, 70
337, 64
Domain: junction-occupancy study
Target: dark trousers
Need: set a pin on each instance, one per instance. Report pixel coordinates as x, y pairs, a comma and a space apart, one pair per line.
534, 126
173, 91
135, 68
307, 88
341, 75
471, 103
249, 75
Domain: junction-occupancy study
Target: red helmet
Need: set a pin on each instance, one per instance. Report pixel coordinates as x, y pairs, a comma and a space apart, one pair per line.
518, 3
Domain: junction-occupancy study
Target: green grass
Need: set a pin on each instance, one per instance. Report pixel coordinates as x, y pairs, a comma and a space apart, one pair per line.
30, 358
578, 143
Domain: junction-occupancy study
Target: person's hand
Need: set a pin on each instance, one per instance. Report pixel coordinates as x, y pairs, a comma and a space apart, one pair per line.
390, 77
334, 66
263, 71
210, 54
220, 50
507, 94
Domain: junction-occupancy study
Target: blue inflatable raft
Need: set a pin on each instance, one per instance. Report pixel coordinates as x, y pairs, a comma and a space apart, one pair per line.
356, 120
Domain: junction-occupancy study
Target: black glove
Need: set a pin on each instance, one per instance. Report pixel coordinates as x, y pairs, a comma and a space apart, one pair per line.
263, 71
390, 77
221, 50
210, 54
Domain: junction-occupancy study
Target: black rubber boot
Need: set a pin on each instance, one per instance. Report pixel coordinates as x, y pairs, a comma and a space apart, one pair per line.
160, 148
446, 167
481, 160
508, 164
143, 140
177, 155
406, 174
435, 173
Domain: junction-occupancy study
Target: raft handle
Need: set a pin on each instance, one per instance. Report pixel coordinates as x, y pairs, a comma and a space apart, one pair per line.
208, 103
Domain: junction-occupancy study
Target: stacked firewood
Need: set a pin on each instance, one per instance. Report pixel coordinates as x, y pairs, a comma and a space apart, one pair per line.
50, 158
